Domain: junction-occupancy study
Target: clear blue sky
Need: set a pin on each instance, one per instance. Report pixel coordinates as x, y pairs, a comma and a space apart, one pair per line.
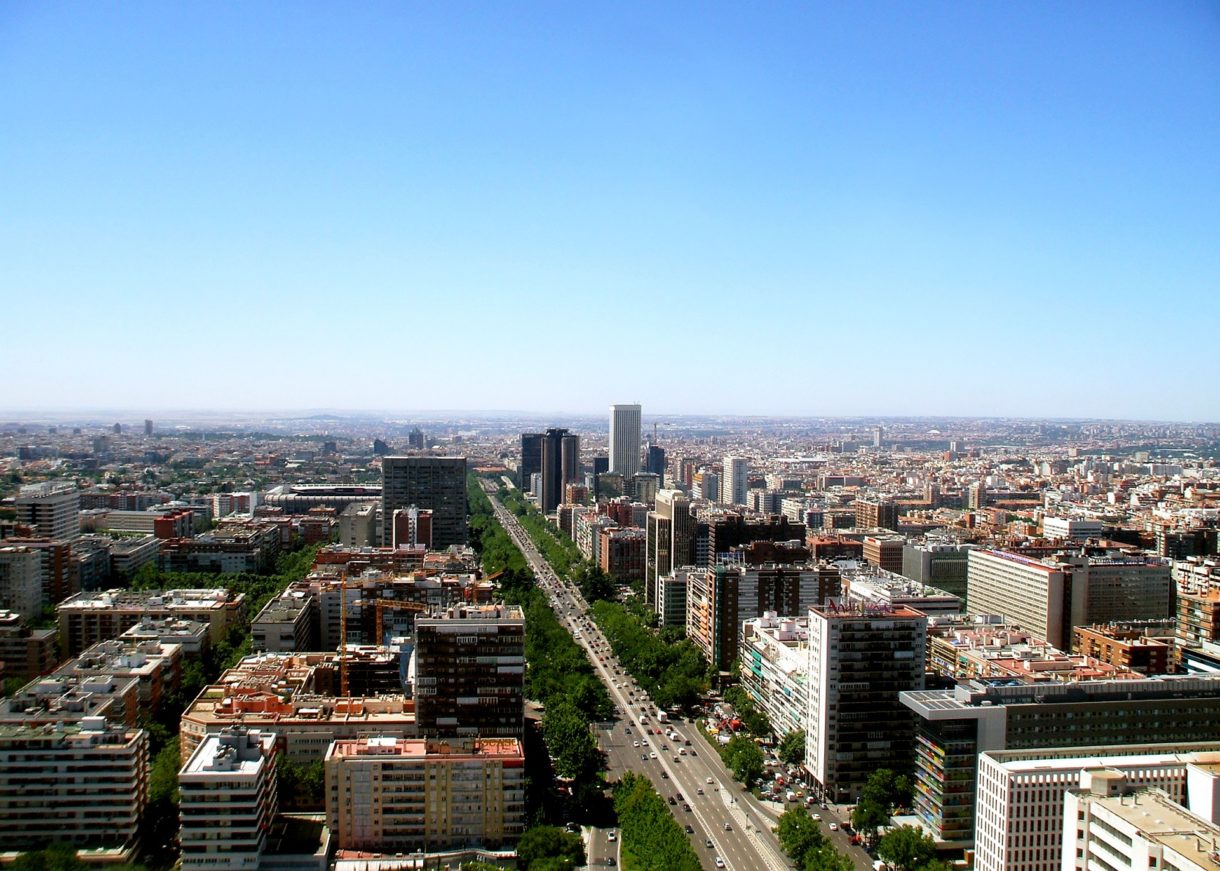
786, 208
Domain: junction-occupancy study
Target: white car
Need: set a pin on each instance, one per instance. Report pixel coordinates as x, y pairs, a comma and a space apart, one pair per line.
613, 836
652, 756
635, 743
719, 862
834, 827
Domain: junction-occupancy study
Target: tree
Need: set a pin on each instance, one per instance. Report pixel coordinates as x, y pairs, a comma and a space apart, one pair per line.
744, 759
827, 858
569, 740
906, 848
868, 816
798, 834
887, 789
542, 843
792, 747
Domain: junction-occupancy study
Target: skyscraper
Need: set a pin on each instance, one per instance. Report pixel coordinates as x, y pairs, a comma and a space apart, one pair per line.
625, 439
553, 477
655, 461
435, 483
531, 458
570, 459
733, 487
671, 539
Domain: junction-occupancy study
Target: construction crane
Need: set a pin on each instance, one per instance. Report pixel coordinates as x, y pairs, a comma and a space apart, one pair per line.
384, 605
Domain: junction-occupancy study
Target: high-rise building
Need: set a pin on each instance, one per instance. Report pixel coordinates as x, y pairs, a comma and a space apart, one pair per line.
671, 538
654, 461
228, 798
51, 507
625, 439
531, 458
719, 599
569, 459
398, 795
553, 455
470, 672
736, 481
416, 440
938, 563
706, 485
435, 483
884, 551
148, 427
859, 661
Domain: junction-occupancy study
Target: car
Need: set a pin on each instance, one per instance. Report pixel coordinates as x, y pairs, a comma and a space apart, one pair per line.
665, 775
834, 827
686, 807
677, 759
728, 827
699, 790
672, 802
709, 781
611, 861
690, 830
643, 742
652, 755
719, 862
635, 743
644, 757
708, 843
817, 818
612, 836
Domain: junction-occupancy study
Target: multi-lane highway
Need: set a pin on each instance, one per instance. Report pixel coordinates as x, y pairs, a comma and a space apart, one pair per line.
685, 771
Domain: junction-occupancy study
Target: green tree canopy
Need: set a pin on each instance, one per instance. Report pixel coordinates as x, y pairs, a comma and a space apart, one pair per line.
744, 758
550, 847
792, 747
906, 848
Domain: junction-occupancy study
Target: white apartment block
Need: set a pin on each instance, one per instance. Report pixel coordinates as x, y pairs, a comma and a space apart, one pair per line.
1019, 805
736, 477
774, 662
228, 800
83, 783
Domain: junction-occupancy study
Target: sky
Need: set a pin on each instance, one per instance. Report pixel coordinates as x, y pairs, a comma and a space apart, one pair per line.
724, 208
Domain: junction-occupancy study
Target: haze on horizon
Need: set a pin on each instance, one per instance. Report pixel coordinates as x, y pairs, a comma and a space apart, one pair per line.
804, 210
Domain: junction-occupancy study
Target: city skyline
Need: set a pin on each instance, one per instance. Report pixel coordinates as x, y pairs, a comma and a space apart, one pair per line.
974, 211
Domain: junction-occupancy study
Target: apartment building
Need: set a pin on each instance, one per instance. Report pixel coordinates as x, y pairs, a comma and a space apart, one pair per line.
394, 795
72, 698
287, 624
859, 661
88, 618
884, 552
296, 696
51, 507
1126, 646
25, 653
21, 583
155, 666
84, 783
774, 665
470, 672
227, 800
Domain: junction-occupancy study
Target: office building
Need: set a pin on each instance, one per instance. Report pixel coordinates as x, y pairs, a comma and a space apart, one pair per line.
954, 726
859, 662
670, 539
531, 458
1022, 796
390, 795
228, 798
21, 582
671, 591
470, 672
706, 485
735, 483
876, 513
553, 472
621, 553
358, 524
51, 507
625, 440
874, 587
654, 461
1071, 528
83, 783
1049, 596
1142, 827
435, 483
938, 563
287, 624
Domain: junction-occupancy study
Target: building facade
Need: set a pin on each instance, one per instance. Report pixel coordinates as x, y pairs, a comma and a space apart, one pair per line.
435, 483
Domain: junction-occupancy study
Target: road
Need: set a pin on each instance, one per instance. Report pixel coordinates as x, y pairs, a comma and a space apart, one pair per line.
720, 810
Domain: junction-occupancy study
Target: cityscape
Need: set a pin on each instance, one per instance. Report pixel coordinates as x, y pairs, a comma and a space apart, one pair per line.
337, 642
572, 436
